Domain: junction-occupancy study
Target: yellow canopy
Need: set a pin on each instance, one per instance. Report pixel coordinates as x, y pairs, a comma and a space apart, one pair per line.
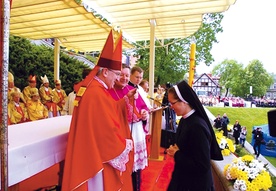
174, 18
63, 19
78, 29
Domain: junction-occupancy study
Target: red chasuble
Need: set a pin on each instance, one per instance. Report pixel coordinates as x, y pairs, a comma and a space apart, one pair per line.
97, 135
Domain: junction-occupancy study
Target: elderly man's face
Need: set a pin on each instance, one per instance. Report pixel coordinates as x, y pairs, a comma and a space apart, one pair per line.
10, 84
112, 77
16, 98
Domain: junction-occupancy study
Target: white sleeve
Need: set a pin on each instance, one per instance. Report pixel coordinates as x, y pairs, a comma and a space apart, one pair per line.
120, 161
144, 96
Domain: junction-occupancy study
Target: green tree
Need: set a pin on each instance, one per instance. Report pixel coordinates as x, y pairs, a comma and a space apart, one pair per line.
27, 59
258, 78
234, 77
230, 73
172, 55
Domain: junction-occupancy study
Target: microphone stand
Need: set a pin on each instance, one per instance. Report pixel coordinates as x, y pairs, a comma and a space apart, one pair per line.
164, 105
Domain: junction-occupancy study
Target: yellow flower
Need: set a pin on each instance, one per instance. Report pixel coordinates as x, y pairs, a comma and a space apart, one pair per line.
248, 174
225, 169
226, 145
247, 158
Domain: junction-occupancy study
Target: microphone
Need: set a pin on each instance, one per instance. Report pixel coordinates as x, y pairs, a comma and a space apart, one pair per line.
156, 100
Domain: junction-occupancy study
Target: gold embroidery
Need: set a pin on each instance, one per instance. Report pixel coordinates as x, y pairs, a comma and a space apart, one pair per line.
81, 91
76, 103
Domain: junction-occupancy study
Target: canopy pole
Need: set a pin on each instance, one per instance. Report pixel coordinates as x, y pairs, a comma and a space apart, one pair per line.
152, 57
56, 59
5, 24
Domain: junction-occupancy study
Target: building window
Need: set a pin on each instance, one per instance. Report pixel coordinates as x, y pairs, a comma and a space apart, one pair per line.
204, 83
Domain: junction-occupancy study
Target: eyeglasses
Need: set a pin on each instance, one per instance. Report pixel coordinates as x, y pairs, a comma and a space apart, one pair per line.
116, 73
171, 104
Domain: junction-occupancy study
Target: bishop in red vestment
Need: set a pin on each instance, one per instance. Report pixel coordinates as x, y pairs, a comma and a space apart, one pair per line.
99, 153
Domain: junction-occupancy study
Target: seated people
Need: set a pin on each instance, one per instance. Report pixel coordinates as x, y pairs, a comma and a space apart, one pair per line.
17, 110
13, 88
35, 108
46, 95
31, 87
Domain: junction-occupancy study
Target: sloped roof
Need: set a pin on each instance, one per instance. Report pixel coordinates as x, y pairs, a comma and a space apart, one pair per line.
209, 77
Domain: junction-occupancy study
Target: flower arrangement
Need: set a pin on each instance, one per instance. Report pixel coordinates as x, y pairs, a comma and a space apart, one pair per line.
248, 174
226, 145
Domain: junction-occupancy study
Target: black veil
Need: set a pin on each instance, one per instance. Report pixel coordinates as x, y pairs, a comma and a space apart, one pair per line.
190, 96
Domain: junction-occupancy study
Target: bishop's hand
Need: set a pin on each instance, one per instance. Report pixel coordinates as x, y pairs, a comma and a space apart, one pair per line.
131, 93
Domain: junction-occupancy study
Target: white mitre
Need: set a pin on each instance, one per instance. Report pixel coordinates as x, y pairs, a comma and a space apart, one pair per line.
44, 79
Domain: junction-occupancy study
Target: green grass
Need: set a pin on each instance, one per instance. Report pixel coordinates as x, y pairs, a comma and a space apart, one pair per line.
248, 117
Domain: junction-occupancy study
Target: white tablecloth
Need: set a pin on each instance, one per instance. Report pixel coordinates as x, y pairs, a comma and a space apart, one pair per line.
36, 146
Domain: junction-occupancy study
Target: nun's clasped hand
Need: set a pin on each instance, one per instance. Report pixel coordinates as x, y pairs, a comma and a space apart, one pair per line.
172, 150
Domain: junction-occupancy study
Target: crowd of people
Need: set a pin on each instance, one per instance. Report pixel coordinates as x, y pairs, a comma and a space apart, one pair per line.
209, 100
221, 123
34, 103
240, 102
264, 102
238, 132
227, 101
233, 101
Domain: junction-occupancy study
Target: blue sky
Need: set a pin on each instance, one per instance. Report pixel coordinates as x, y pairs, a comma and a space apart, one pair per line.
249, 33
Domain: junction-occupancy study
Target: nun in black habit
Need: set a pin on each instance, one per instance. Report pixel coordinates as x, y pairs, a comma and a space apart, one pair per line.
196, 144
